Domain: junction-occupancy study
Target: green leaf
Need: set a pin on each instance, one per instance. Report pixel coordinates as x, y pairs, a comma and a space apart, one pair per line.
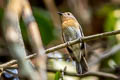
57, 75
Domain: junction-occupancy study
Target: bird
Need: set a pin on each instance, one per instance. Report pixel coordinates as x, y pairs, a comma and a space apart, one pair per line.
72, 30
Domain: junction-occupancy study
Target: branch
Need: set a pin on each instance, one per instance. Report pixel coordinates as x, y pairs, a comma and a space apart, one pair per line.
5, 65
35, 38
91, 73
88, 38
98, 74
13, 37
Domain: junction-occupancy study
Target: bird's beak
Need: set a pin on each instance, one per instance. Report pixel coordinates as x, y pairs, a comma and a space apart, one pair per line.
60, 13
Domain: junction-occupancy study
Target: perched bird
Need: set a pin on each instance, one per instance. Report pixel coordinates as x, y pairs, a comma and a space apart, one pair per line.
72, 30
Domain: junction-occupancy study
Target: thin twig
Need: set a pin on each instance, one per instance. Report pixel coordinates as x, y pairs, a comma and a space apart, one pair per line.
87, 38
15, 61
63, 73
98, 74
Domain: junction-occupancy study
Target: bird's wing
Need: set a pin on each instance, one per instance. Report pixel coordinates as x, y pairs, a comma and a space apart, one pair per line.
81, 31
83, 44
71, 33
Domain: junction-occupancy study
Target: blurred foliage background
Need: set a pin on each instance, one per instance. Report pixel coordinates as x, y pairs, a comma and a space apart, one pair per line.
95, 16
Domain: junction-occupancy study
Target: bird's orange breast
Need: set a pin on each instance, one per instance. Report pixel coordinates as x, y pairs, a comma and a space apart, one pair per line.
70, 23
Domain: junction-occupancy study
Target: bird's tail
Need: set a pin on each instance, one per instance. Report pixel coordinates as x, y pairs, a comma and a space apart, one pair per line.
82, 67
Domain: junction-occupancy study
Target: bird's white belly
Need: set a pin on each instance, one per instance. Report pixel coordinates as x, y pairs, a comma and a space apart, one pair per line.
71, 33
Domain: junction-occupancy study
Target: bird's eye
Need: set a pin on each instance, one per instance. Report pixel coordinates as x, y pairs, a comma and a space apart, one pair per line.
68, 13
